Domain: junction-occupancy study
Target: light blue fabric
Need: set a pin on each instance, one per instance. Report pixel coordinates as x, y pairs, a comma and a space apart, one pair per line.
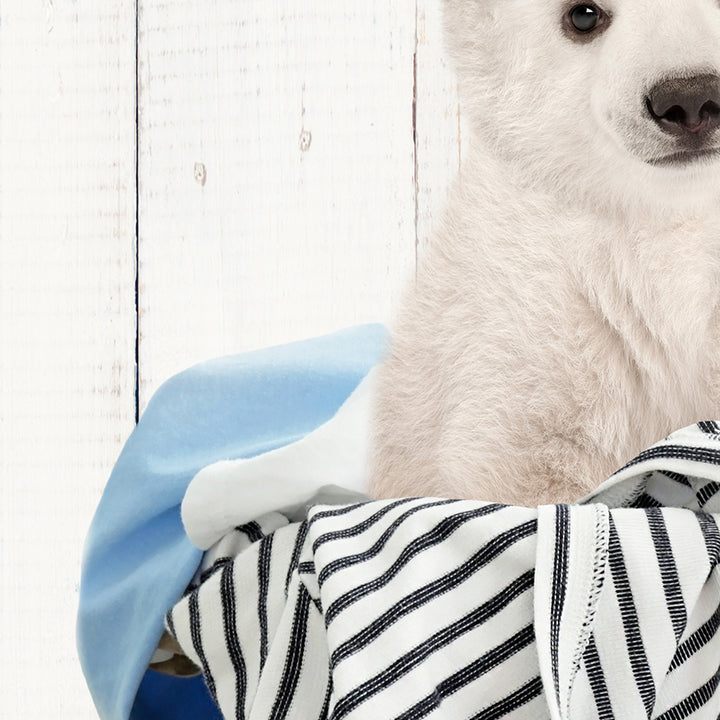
137, 559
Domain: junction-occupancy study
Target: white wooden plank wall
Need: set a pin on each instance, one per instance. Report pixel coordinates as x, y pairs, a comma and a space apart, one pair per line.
282, 194
440, 131
298, 118
67, 326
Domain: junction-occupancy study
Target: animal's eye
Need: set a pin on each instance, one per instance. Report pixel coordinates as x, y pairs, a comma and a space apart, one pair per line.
584, 18
585, 21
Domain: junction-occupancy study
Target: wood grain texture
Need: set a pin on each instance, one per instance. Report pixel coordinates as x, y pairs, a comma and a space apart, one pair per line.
302, 217
67, 332
439, 131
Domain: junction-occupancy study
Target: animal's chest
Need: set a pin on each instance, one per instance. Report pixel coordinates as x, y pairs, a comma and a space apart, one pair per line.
637, 386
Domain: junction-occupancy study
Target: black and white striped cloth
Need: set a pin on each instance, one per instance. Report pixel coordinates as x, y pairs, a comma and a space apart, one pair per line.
433, 608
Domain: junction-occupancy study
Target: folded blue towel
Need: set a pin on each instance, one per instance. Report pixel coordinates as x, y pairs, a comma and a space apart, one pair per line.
138, 559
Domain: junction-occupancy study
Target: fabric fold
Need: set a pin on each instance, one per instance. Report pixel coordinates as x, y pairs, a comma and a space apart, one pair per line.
570, 571
441, 608
628, 598
138, 559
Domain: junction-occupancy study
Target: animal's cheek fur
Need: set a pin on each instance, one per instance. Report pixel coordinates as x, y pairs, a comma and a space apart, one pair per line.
526, 99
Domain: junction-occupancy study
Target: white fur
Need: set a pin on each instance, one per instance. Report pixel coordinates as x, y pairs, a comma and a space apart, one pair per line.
566, 315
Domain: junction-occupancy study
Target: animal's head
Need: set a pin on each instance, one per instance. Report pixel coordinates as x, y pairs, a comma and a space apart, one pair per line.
617, 99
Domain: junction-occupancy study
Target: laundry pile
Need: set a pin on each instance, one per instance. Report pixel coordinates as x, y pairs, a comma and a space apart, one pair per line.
299, 600
439, 608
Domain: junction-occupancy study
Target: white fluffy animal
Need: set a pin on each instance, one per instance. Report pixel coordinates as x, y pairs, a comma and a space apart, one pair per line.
567, 313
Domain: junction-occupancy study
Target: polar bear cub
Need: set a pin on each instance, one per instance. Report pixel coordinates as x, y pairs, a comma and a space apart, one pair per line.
567, 312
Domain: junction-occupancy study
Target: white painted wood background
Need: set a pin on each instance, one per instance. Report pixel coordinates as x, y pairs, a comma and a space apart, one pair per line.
283, 190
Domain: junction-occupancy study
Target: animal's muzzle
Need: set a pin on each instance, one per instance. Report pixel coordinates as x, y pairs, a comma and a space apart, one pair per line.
687, 107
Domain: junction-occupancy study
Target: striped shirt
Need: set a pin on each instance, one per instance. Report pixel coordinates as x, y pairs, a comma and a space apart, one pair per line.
434, 608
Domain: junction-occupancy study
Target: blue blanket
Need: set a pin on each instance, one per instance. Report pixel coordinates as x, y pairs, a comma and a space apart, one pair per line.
138, 559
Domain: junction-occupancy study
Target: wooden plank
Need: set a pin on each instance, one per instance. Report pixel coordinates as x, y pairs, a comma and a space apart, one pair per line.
66, 320
439, 126
276, 173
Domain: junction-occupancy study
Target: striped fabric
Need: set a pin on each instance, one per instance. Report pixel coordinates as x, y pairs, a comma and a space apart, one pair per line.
433, 608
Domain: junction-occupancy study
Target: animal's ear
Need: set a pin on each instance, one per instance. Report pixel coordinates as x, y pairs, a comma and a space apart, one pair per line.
169, 659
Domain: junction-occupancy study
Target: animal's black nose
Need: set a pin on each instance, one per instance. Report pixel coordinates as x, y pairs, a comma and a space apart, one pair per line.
686, 106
